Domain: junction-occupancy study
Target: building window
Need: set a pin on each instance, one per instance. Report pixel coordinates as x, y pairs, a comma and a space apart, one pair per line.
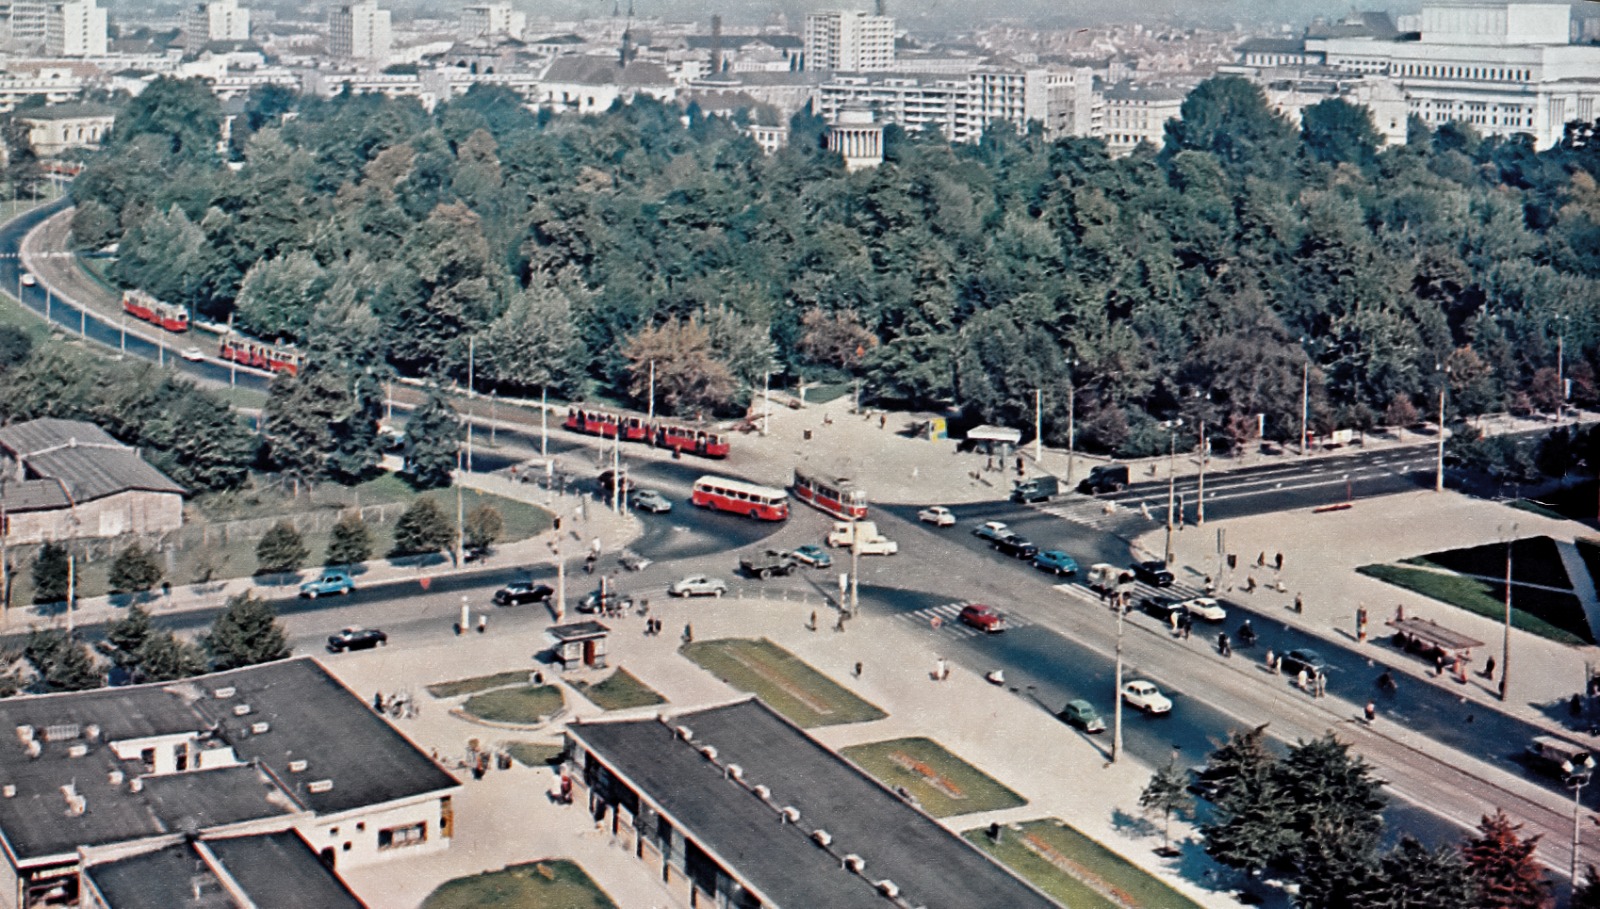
398, 837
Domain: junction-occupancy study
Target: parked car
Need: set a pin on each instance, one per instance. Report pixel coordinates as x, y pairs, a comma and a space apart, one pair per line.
192, 354
608, 600
813, 555
992, 530
1162, 608
517, 593
984, 618
937, 515
1153, 572
331, 583
651, 501
1303, 658
1081, 713
1556, 757
1016, 547
1056, 562
29, 280
1205, 608
611, 479
356, 639
1144, 695
698, 585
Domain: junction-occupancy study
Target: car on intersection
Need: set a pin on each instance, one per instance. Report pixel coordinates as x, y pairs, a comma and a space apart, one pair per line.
1056, 562
1081, 713
813, 555
1153, 572
698, 585
984, 618
651, 501
1205, 608
1016, 547
356, 639
1163, 608
517, 593
1144, 695
937, 515
991, 531
1303, 658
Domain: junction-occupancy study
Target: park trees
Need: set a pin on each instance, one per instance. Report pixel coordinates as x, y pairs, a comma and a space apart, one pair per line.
245, 633
483, 527
50, 571
422, 530
135, 570
280, 549
689, 377
1166, 795
60, 661
1502, 865
433, 436
350, 543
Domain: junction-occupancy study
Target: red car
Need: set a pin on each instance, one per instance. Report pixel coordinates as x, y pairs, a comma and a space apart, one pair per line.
984, 618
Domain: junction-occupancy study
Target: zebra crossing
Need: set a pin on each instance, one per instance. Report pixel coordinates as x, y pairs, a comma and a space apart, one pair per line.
945, 618
1105, 515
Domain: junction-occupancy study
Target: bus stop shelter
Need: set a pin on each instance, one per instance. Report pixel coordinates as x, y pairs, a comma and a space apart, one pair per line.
579, 644
995, 440
1432, 640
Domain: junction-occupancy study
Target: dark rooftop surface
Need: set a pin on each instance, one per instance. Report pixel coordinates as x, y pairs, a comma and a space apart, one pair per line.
280, 871
82, 456
171, 878
594, 70
357, 757
930, 865
577, 631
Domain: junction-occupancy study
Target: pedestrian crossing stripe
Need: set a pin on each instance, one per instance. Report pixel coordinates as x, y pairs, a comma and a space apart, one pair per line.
943, 617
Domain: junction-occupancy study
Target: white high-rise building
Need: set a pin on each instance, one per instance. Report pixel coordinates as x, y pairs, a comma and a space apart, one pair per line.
76, 28
360, 31
961, 107
217, 20
26, 22
847, 41
492, 19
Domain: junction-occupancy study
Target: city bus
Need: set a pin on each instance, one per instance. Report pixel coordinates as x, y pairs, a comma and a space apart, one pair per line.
840, 498
740, 497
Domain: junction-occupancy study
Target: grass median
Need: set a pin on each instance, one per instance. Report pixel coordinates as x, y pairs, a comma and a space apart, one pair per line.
552, 884
620, 691
477, 683
524, 706
1076, 870
788, 685
943, 784
1556, 616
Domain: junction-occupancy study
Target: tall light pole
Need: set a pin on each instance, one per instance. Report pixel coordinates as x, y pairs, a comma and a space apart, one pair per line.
855, 565
1200, 493
1072, 396
766, 400
1116, 696
1505, 650
472, 350
653, 392
1576, 776
1172, 486
1444, 382
1305, 404
1561, 385
461, 533
1038, 425
544, 424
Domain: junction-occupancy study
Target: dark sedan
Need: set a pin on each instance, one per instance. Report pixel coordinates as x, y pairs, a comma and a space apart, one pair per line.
518, 593
1154, 573
1016, 547
356, 639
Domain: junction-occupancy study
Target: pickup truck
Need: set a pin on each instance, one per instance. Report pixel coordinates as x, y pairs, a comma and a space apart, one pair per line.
867, 539
1105, 578
764, 565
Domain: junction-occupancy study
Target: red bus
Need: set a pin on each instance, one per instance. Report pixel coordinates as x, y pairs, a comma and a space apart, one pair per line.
256, 354
840, 498
141, 305
691, 439
740, 497
604, 423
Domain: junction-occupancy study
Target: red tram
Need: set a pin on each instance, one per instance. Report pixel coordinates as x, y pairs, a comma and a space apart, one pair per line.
256, 354
840, 498
141, 305
695, 440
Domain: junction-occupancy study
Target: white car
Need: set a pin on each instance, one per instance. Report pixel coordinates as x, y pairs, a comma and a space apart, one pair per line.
1206, 608
1146, 696
992, 530
192, 354
698, 585
937, 515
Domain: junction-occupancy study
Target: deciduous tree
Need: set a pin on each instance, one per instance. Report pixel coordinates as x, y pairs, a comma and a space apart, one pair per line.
247, 632
688, 375
433, 437
422, 530
483, 527
1167, 794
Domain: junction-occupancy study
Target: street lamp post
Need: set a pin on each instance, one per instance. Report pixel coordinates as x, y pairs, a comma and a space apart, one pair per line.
1172, 485
1305, 403
855, 566
1505, 650
1038, 425
1072, 396
1200, 492
1116, 696
1576, 777
1438, 478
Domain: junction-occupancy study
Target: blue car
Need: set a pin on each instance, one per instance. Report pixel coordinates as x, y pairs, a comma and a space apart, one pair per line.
1056, 562
815, 556
330, 583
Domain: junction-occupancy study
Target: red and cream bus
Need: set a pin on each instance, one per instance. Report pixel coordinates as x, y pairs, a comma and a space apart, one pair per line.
141, 305
694, 440
740, 497
274, 357
840, 498
606, 424
680, 437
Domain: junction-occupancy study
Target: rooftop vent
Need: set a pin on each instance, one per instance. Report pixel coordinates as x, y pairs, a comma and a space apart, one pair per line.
25, 733
854, 862
823, 837
61, 732
241, 709
92, 732
114, 777
79, 749
762, 792
685, 733
76, 805
735, 771
34, 748
791, 814
888, 888
297, 766
710, 751
320, 786
9, 791
259, 728
227, 692
136, 785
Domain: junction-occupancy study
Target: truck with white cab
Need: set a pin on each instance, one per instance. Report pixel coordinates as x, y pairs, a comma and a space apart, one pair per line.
864, 536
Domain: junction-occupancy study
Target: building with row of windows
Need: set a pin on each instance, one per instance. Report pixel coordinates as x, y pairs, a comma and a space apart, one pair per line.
59, 28
961, 107
216, 20
849, 41
360, 31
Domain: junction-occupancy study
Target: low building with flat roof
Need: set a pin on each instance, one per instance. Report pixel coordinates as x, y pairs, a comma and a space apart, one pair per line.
61, 479
739, 807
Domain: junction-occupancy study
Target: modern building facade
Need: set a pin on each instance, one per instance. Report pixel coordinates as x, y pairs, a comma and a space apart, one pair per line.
360, 31
76, 28
487, 19
848, 41
962, 107
217, 20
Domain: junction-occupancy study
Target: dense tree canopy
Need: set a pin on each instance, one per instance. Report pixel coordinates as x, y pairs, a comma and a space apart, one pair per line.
574, 251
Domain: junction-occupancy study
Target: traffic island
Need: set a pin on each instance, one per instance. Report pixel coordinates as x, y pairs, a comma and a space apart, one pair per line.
787, 684
553, 884
528, 705
621, 690
1073, 868
924, 773
461, 687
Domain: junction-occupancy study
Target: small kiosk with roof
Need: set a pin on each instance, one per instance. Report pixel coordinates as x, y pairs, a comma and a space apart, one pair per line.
579, 645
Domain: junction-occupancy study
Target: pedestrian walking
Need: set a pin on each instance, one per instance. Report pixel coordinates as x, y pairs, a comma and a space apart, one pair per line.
1575, 706
1223, 647
1321, 683
812, 625
1361, 623
1371, 712
1278, 562
1299, 604
838, 624
1302, 680
1488, 669
483, 623
883, 421
1438, 664
1172, 619
1261, 560
688, 633
941, 672
858, 669
1188, 626
1250, 584
1272, 661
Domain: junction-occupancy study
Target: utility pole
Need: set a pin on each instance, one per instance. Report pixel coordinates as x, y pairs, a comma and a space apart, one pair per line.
72, 583
1561, 385
1116, 696
616, 469
652, 391
1305, 403
855, 565
1172, 486
1438, 478
122, 323
1038, 426
461, 548
1072, 398
1505, 648
1200, 494
472, 347
544, 424
766, 401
